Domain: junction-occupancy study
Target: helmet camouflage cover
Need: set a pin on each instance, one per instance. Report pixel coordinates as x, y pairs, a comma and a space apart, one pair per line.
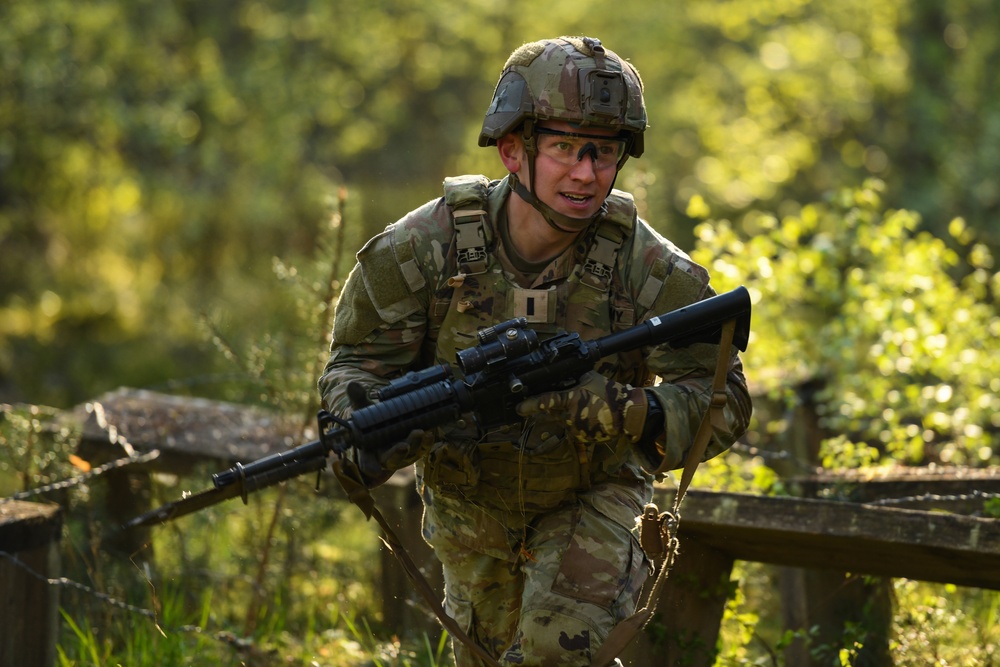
573, 79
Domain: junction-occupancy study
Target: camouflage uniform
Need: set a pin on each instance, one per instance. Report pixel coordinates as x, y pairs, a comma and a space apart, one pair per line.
534, 529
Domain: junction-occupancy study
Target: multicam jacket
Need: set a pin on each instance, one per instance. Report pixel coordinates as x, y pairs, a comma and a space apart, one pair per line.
423, 288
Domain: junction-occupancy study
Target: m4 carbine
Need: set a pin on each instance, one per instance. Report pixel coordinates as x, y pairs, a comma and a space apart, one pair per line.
508, 365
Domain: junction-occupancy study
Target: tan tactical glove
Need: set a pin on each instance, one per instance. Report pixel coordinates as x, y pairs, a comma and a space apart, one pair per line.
377, 464
597, 409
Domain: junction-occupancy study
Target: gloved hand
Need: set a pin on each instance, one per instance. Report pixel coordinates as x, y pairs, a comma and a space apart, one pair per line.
376, 465
597, 409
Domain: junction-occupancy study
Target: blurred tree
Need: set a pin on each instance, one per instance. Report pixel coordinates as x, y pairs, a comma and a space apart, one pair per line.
155, 157
946, 154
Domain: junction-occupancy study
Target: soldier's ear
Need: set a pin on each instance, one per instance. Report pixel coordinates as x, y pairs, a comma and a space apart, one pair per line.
512, 153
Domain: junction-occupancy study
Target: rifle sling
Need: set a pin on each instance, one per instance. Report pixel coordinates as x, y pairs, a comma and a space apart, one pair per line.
623, 633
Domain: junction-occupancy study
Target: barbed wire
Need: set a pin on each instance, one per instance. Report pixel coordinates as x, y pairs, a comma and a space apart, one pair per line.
69, 583
223, 636
114, 437
133, 458
84, 477
976, 494
771, 455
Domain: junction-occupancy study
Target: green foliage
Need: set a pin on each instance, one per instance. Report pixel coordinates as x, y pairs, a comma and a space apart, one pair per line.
155, 157
138, 641
159, 154
991, 508
945, 625
317, 603
287, 580
934, 624
36, 449
890, 331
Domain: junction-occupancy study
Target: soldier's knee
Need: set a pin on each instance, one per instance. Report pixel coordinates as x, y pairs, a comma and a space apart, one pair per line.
553, 639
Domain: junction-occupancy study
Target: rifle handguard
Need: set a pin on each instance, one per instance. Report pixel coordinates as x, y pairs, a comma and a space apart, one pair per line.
490, 392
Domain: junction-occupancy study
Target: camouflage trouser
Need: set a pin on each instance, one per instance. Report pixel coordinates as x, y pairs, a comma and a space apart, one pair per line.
551, 603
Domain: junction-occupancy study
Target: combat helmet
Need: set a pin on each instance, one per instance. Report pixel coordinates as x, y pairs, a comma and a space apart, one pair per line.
572, 79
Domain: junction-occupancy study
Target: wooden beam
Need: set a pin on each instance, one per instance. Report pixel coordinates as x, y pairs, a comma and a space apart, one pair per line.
184, 427
862, 539
25, 526
948, 488
810, 533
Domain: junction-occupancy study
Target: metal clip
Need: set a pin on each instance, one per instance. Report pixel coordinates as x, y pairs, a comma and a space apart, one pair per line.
656, 532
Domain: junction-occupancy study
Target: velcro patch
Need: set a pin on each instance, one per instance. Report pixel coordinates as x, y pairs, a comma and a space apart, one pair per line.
536, 305
388, 287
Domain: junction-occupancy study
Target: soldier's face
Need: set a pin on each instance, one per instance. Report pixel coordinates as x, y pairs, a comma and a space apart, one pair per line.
578, 186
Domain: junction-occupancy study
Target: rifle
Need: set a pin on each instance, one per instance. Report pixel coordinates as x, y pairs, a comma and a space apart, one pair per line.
508, 365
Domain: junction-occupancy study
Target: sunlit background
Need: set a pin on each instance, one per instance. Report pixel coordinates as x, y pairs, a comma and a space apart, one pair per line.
183, 186
156, 157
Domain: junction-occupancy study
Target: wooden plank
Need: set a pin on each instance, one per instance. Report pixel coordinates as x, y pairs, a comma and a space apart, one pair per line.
29, 606
863, 539
25, 526
184, 426
949, 488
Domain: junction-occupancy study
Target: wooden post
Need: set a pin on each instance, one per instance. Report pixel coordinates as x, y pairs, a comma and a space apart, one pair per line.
685, 628
828, 601
403, 609
29, 606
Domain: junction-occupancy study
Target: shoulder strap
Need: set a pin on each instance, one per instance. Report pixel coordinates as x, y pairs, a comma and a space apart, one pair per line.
617, 221
466, 197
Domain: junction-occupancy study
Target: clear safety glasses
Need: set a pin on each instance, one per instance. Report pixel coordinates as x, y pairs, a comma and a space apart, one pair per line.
568, 148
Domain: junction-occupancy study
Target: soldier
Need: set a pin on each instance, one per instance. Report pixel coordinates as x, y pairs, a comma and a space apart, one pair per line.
534, 523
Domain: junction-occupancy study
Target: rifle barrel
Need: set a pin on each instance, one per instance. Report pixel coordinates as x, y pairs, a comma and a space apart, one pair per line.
242, 487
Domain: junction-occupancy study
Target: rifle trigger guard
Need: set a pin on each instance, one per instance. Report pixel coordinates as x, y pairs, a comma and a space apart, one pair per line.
242, 482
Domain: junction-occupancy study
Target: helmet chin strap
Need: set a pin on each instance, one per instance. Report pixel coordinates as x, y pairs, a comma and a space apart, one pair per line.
557, 221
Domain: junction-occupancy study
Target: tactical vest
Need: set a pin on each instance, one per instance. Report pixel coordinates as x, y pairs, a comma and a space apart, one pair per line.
533, 467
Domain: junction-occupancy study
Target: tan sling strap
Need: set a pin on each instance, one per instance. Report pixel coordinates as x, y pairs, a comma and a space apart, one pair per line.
359, 494
659, 531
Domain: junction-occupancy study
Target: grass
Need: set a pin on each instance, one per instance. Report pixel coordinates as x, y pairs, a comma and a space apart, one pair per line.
348, 642
224, 595
227, 590
319, 606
